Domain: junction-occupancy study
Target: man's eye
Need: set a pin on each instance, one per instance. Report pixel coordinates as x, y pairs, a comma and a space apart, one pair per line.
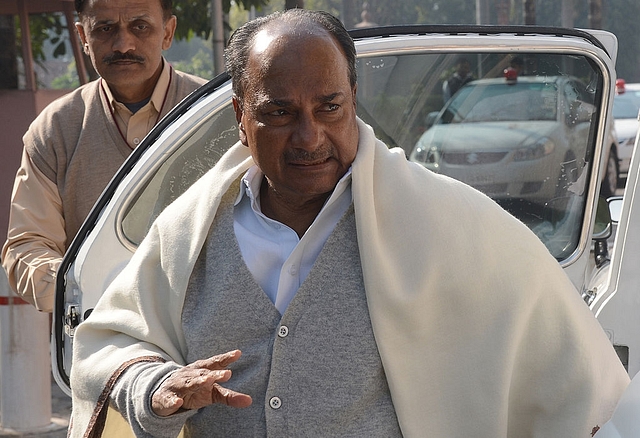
330, 107
141, 27
105, 29
279, 112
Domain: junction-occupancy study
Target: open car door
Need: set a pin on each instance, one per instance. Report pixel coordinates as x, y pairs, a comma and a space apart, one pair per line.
532, 139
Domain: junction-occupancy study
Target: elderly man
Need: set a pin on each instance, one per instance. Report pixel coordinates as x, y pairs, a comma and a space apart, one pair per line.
297, 275
77, 143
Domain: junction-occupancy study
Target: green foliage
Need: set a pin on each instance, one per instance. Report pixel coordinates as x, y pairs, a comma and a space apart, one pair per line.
332, 6
67, 81
194, 16
201, 64
44, 28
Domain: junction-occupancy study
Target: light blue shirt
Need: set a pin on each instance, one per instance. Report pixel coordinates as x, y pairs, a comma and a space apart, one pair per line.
278, 260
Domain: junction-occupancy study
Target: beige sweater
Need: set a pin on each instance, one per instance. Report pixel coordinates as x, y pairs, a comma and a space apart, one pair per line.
71, 152
480, 332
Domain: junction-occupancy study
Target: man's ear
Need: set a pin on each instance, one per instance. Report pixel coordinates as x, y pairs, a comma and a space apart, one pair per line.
83, 37
237, 108
354, 92
169, 30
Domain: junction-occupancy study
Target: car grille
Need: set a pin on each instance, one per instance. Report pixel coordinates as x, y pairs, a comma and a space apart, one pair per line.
472, 158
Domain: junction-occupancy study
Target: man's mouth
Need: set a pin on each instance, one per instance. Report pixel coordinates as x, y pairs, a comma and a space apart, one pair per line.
308, 159
310, 163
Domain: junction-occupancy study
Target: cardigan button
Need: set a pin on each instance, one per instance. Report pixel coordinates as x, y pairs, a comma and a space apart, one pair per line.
283, 331
275, 402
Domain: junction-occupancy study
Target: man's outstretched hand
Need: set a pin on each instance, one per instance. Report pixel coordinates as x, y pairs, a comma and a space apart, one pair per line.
196, 385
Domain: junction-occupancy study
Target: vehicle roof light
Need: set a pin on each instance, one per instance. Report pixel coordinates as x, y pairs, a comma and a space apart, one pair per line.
511, 75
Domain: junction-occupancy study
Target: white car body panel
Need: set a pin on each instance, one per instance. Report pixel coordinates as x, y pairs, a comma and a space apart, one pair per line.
618, 307
626, 130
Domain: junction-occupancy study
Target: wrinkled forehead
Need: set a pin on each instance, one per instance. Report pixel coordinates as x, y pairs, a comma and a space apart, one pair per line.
106, 10
286, 34
287, 44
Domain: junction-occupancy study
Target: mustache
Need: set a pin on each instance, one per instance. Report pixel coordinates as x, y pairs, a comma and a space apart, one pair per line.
301, 155
117, 56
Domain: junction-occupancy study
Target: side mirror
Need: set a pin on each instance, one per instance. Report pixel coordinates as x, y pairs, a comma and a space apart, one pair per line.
615, 208
430, 119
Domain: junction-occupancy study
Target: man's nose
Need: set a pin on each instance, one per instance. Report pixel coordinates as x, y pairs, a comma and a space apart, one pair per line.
309, 132
124, 41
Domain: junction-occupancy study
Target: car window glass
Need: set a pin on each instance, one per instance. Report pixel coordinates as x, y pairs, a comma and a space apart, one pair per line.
199, 152
522, 136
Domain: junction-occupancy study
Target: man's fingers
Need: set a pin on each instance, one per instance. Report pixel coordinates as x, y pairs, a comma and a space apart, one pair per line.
220, 394
166, 403
219, 361
196, 385
204, 378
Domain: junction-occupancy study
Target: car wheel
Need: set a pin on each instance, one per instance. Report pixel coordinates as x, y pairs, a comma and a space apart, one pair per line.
610, 181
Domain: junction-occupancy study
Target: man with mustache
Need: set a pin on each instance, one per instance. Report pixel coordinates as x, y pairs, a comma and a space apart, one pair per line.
289, 264
77, 143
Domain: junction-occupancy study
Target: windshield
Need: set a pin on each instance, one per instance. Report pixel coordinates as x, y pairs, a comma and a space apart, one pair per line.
503, 102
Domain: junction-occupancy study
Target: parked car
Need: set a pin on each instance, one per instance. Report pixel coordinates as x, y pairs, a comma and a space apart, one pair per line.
511, 137
514, 137
626, 106
400, 71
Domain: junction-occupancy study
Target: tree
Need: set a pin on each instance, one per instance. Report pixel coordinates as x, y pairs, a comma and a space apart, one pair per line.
8, 56
529, 12
195, 16
595, 14
293, 4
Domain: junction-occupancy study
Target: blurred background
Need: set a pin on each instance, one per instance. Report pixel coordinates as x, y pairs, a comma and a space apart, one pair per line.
204, 26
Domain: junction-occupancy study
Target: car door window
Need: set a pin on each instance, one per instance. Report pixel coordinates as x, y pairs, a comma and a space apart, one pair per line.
503, 133
198, 153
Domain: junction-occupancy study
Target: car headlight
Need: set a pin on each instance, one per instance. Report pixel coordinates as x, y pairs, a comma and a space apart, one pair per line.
542, 147
425, 155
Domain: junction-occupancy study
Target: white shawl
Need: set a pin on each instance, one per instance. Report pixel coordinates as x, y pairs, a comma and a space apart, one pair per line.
480, 331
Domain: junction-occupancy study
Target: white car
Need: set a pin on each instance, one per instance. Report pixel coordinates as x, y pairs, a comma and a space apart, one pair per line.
626, 106
400, 75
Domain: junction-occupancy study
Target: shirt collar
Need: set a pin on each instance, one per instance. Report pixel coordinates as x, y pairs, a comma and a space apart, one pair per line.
159, 92
252, 179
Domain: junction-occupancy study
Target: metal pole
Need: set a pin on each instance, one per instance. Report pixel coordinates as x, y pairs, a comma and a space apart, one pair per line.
25, 366
76, 45
482, 12
217, 36
29, 72
595, 14
567, 13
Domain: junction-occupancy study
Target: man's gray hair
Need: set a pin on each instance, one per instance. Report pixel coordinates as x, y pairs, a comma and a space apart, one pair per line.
241, 41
